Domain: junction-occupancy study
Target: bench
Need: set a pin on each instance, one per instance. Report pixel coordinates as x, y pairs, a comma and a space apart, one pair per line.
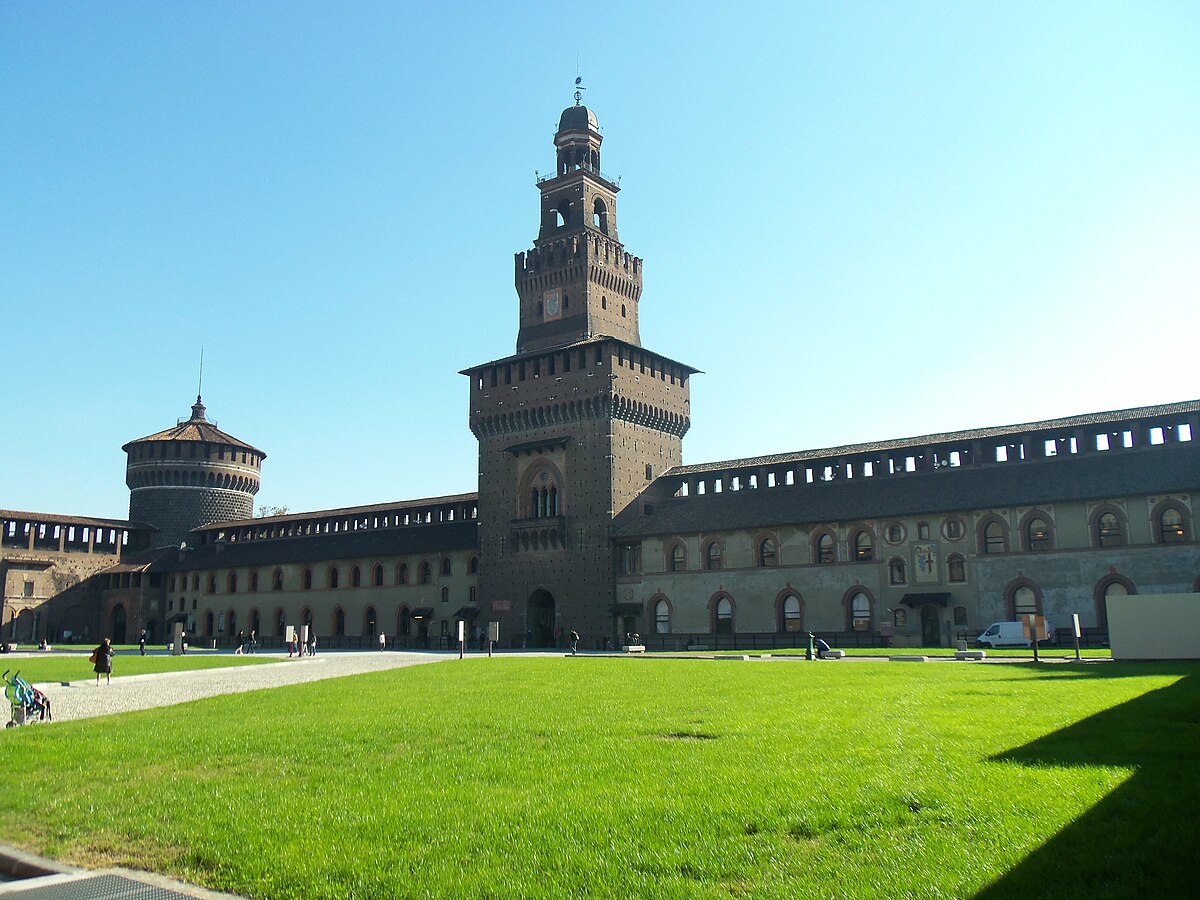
832, 654
970, 654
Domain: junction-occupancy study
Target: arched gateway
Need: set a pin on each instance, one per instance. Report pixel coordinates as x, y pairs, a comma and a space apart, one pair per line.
539, 619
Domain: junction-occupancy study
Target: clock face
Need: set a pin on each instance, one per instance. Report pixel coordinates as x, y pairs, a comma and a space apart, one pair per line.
552, 304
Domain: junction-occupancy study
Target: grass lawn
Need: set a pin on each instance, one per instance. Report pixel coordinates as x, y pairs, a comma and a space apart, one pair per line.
57, 666
603, 777
1052, 652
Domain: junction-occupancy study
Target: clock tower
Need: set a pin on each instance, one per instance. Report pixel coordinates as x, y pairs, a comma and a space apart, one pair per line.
577, 281
575, 424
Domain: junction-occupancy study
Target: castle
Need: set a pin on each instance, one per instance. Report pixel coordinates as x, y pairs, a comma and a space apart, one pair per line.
585, 517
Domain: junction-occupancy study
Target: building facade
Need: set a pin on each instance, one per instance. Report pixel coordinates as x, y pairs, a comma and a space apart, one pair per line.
586, 518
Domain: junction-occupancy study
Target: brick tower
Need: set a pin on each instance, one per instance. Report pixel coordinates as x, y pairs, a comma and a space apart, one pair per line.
574, 425
190, 475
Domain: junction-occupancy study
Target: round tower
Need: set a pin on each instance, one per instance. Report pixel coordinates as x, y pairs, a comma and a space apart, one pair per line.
189, 476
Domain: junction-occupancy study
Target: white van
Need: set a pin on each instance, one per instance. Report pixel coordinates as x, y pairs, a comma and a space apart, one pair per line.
1003, 634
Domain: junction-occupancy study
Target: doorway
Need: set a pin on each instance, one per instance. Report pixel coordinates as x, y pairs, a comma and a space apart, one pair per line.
116, 624
539, 618
931, 626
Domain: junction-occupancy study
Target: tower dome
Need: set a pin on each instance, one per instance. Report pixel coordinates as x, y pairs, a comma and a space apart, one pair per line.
577, 118
190, 475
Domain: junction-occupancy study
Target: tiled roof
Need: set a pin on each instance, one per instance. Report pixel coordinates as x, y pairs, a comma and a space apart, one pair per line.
348, 512
1155, 470
52, 519
589, 342
950, 437
196, 428
367, 544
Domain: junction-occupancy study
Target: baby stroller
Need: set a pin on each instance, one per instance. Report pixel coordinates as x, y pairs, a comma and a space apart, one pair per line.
26, 700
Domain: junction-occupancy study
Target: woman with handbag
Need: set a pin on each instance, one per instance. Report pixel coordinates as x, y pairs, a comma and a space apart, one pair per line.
102, 658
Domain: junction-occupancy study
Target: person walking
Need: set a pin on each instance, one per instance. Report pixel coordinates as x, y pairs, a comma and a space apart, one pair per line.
102, 658
574, 642
312, 642
142, 642
253, 641
241, 641
382, 642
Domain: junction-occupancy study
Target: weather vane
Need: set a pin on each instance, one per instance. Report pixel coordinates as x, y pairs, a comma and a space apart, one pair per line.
579, 89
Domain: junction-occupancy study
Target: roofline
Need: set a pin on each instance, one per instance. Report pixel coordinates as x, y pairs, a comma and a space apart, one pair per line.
341, 511
1080, 420
51, 518
597, 339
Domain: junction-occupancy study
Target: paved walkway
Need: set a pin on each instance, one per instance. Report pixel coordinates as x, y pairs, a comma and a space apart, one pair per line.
84, 700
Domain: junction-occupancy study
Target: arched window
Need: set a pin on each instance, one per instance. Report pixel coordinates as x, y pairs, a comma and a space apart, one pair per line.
212, 584
339, 622
995, 537
1024, 602
370, 622
277, 580
600, 215
1111, 585
473, 565
826, 548
208, 623
864, 548
402, 574
956, 569
678, 560
790, 620
1037, 535
1109, 532
355, 577
713, 556
254, 582
723, 616
766, 552
445, 595
377, 575
859, 608
405, 623
279, 623
426, 573
662, 617
331, 577
896, 573
445, 565
306, 580
231, 583
1170, 525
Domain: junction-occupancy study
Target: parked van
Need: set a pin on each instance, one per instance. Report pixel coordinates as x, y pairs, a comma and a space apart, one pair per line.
1008, 634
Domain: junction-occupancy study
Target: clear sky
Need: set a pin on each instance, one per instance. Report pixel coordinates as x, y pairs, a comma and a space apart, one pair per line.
861, 221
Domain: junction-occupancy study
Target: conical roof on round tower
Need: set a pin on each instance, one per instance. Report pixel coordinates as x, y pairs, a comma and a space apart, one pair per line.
196, 428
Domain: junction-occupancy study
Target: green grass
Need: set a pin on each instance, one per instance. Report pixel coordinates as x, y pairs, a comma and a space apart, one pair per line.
639, 778
948, 652
56, 666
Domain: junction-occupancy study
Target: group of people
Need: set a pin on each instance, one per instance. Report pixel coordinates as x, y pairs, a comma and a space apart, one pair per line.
246, 645
297, 647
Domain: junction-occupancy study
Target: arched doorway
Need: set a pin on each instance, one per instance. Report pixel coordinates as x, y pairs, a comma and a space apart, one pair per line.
931, 626
116, 624
404, 625
539, 620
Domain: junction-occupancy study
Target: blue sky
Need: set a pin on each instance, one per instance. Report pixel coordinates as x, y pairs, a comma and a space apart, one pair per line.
860, 221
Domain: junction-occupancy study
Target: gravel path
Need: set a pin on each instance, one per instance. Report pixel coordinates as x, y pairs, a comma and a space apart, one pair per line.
84, 700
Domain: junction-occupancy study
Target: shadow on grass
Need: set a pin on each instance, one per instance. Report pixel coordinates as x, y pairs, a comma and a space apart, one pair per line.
1141, 840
